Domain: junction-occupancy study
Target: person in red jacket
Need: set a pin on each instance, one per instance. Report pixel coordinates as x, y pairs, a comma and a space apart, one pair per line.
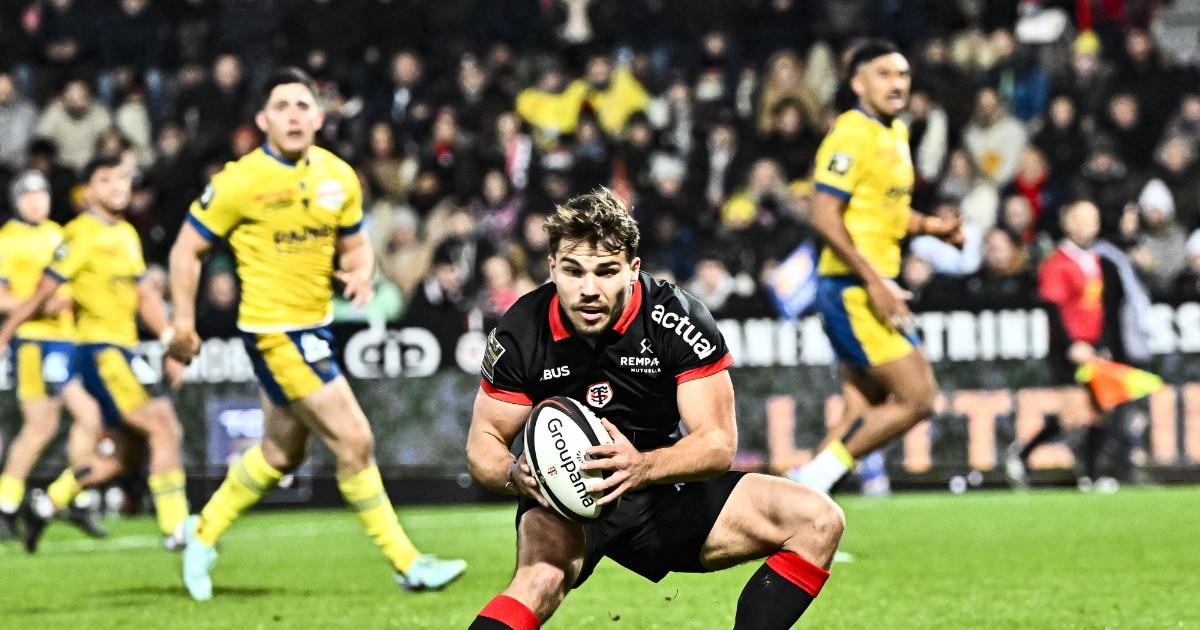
1072, 284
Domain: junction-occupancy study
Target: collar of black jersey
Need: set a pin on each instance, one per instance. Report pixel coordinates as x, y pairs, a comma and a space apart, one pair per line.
561, 328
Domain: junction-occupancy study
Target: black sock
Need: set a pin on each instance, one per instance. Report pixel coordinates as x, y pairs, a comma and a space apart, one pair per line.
1093, 444
1050, 430
487, 623
778, 593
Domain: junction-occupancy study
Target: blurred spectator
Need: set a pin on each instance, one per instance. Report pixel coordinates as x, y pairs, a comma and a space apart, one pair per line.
475, 100
1186, 123
1033, 181
784, 80
1160, 253
1124, 125
404, 100
726, 296
1016, 216
551, 107
1187, 286
1061, 138
501, 288
1177, 169
928, 135
464, 248
66, 35
43, 157
946, 84
132, 120
1005, 280
405, 259
450, 155
1106, 180
17, 119
74, 122
1017, 76
977, 198
945, 258
440, 304
718, 164
790, 141
1089, 79
591, 163
536, 244
497, 209
213, 109
613, 94
929, 290
134, 45
509, 149
218, 309
389, 171
1141, 70
994, 138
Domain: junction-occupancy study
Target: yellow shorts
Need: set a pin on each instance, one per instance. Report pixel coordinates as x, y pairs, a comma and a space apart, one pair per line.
41, 368
292, 365
857, 335
118, 379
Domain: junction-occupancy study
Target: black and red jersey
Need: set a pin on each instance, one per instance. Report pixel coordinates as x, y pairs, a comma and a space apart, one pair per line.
629, 374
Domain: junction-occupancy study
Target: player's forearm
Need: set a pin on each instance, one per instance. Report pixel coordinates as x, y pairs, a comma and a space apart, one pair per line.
489, 461
828, 221
8, 302
24, 311
152, 310
358, 260
700, 455
185, 280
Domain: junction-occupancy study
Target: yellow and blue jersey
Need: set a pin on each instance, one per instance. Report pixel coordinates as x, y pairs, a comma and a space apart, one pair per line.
282, 220
865, 163
102, 262
26, 249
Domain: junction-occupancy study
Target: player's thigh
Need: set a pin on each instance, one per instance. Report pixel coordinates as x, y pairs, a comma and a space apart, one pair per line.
155, 419
764, 514
547, 540
40, 416
333, 413
85, 411
285, 437
909, 378
859, 388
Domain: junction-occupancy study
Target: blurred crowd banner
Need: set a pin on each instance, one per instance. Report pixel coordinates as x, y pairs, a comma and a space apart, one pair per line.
418, 393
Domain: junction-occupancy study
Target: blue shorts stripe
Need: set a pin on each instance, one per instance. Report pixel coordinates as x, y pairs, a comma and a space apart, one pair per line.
326, 369
265, 378
837, 321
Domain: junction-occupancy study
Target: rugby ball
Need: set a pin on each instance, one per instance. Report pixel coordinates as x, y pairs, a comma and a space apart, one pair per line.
557, 436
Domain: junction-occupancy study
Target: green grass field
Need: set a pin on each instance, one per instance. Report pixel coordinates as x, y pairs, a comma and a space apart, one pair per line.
1047, 559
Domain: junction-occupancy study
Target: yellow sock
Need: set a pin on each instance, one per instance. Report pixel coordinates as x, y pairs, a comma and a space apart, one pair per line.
64, 489
248, 480
170, 499
12, 491
364, 492
840, 451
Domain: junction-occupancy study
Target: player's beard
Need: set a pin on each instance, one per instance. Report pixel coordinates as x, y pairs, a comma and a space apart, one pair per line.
593, 329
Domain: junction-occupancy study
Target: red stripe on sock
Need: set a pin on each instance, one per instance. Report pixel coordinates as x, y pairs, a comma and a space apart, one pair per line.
510, 612
808, 576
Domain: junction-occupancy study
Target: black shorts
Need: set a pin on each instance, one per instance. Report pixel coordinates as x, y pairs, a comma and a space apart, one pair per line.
656, 530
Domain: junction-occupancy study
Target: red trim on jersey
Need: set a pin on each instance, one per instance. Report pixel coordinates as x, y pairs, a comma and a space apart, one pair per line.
504, 395
808, 576
559, 329
511, 613
705, 370
631, 309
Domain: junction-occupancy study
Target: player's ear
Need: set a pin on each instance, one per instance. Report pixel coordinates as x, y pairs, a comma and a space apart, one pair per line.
320, 118
260, 119
856, 84
635, 267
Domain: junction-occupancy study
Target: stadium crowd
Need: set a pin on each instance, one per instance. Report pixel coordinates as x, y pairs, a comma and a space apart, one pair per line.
466, 122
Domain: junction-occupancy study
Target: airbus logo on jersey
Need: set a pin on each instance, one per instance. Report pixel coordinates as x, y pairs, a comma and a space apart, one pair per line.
557, 372
687, 331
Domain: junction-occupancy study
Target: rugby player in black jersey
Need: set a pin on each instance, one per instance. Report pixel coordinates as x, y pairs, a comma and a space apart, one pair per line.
648, 358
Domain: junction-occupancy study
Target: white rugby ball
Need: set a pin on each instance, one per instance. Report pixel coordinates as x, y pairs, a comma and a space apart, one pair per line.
558, 434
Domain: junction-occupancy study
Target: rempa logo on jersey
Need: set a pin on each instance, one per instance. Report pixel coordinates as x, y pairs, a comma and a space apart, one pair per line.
599, 394
687, 331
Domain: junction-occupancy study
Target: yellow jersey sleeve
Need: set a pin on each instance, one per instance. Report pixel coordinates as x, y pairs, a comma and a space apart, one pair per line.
5, 265
838, 164
70, 257
219, 208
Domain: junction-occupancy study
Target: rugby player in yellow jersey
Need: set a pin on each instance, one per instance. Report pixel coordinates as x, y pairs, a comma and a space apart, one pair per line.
864, 180
41, 359
286, 209
101, 260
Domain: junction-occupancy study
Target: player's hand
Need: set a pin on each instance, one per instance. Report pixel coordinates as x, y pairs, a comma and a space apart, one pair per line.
525, 483
173, 371
888, 300
56, 305
629, 466
184, 344
949, 230
358, 288
1081, 352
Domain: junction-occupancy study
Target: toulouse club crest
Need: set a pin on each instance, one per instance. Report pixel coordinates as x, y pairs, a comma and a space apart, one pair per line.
599, 394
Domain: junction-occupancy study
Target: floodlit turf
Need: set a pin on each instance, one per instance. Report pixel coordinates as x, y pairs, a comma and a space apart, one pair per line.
1047, 559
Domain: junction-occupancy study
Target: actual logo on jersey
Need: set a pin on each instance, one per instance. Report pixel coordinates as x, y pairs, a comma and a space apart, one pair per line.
330, 194
206, 197
491, 354
840, 163
599, 394
557, 372
686, 330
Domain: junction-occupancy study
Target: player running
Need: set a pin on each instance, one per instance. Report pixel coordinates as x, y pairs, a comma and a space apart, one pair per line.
41, 361
649, 357
864, 181
101, 261
286, 209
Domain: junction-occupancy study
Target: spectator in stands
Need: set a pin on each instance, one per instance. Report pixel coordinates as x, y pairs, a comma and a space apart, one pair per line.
475, 100
450, 155
1089, 78
65, 36
405, 258
1107, 181
497, 208
946, 84
17, 119
1160, 253
501, 288
1141, 71
551, 107
1060, 139
946, 259
1187, 286
74, 121
217, 312
928, 138
1176, 167
718, 164
977, 198
214, 109
536, 244
1005, 280
390, 172
789, 140
1017, 77
404, 100
613, 94
43, 157
134, 45
440, 304
1124, 124
994, 138
508, 148
1033, 181
782, 81
1186, 123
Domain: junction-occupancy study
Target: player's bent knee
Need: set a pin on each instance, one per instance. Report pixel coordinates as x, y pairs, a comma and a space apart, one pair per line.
356, 445
544, 582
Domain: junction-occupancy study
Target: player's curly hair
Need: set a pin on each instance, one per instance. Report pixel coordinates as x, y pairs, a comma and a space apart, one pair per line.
598, 218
